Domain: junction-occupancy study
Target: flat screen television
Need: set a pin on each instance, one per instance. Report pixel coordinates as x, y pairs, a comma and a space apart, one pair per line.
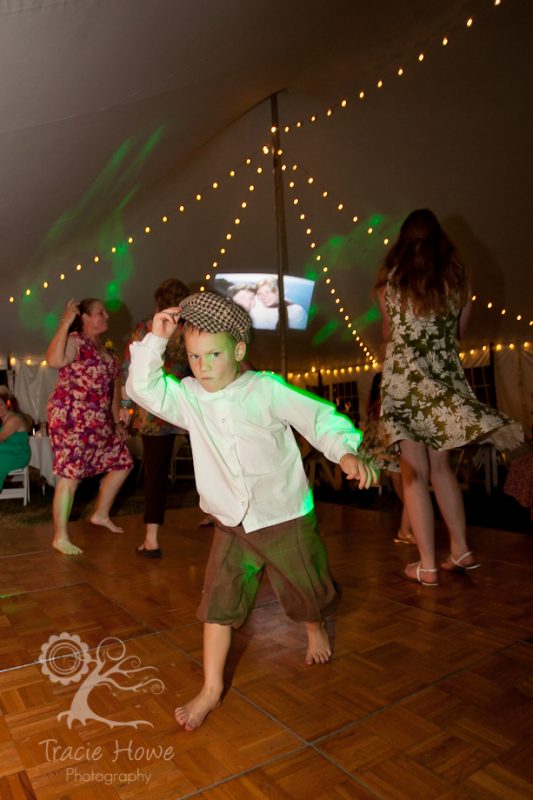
258, 293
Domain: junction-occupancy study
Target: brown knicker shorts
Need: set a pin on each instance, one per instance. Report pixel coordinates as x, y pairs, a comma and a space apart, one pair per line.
294, 558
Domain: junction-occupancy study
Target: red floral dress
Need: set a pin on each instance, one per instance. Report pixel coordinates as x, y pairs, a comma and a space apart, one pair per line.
80, 419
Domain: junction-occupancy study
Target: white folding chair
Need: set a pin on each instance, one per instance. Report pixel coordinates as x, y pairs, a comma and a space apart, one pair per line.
17, 485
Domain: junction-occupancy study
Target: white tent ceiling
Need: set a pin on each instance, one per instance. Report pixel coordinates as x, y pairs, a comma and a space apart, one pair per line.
115, 112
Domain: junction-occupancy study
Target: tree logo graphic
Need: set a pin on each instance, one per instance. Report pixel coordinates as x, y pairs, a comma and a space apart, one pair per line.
65, 659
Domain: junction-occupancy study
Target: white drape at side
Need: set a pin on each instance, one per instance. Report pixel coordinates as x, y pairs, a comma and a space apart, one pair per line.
513, 373
33, 385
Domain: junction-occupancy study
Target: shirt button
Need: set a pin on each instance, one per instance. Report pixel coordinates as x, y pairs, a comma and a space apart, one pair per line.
243, 504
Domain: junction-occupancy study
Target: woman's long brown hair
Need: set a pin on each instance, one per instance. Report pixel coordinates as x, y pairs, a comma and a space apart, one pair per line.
424, 266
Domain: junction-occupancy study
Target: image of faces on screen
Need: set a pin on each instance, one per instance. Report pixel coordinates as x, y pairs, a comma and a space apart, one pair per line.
258, 294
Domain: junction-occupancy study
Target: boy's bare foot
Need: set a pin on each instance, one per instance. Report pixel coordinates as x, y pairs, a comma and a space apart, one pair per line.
105, 522
318, 645
191, 716
66, 547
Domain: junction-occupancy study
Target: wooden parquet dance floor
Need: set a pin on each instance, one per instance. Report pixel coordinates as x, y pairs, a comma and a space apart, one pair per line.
429, 694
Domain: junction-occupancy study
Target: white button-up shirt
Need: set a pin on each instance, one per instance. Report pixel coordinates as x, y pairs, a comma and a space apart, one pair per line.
247, 465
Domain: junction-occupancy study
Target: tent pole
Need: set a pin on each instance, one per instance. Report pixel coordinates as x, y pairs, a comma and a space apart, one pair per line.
281, 232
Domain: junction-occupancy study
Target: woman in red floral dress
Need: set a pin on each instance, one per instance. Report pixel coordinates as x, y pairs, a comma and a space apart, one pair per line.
83, 417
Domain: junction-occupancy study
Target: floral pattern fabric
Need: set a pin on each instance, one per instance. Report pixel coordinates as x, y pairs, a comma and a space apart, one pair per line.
80, 419
175, 363
425, 394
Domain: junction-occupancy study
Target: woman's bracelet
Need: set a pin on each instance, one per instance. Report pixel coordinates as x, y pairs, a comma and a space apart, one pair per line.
126, 403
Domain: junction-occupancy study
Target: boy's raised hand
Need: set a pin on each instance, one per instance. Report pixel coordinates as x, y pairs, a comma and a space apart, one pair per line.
358, 469
165, 322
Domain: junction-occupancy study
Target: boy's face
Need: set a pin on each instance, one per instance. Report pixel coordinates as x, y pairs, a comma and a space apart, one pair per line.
214, 358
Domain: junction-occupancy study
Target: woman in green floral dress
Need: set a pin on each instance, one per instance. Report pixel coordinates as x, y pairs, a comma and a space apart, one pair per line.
428, 407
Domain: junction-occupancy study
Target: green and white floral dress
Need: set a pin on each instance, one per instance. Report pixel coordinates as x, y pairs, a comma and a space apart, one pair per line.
425, 396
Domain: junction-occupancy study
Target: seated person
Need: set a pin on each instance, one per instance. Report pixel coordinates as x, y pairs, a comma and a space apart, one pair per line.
15, 450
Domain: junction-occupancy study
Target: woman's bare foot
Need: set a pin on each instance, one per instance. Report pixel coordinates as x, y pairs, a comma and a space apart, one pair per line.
105, 522
191, 716
66, 547
318, 645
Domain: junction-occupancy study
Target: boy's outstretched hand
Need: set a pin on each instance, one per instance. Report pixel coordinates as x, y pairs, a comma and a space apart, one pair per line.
165, 322
358, 469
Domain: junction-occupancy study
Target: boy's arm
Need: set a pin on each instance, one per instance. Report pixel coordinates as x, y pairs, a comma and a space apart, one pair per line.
331, 433
148, 385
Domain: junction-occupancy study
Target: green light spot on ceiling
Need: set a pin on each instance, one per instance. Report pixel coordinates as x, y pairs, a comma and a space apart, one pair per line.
325, 332
50, 323
112, 291
313, 310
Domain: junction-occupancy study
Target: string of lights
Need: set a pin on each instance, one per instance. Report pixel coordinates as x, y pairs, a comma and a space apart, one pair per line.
499, 347
492, 305
228, 237
178, 211
325, 269
388, 72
